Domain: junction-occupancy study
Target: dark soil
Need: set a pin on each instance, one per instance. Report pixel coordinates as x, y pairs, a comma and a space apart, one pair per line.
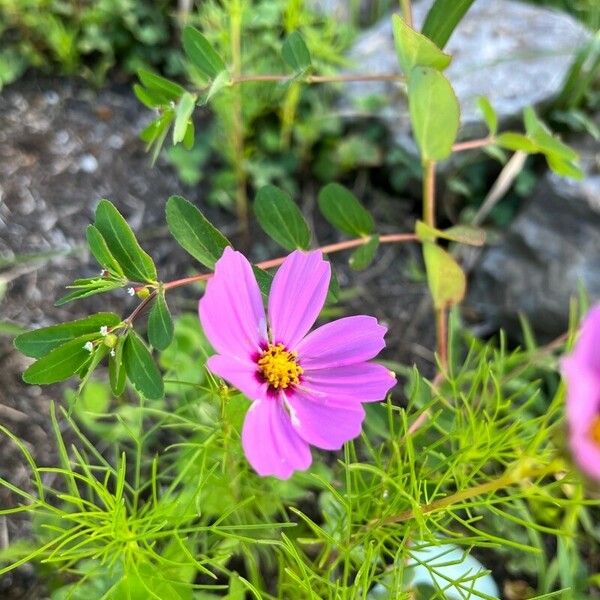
62, 148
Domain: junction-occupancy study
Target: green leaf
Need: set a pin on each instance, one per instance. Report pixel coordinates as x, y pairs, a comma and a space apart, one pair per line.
564, 168
516, 141
363, 256
295, 52
141, 368
60, 363
219, 82
99, 352
116, 371
136, 264
464, 234
446, 279
194, 232
39, 342
183, 114
542, 136
442, 19
201, 54
280, 218
88, 287
414, 49
101, 252
160, 88
489, 114
160, 323
147, 98
188, 138
434, 113
343, 210
264, 280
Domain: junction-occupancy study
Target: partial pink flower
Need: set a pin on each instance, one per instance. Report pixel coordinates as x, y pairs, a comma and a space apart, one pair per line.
581, 371
306, 388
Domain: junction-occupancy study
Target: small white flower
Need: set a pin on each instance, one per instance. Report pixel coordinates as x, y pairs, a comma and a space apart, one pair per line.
131, 291
88, 346
104, 330
113, 353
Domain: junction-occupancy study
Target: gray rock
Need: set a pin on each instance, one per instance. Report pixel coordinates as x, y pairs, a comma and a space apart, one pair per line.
549, 252
515, 54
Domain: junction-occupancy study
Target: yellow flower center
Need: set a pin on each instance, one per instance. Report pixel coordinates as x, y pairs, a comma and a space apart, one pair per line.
278, 366
594, 431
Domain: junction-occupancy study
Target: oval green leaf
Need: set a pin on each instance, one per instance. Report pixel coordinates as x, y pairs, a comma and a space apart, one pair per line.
281, 219
363, 256
201, 54
101, 252
342, 209
122, 243
414, 49
160, 323
141, 369
61, 362
194, 232
39, 342
295, 52
434, 113
446, 279
183, 114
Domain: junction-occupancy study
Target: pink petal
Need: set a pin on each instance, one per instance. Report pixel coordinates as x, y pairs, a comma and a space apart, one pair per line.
586, 454
271, 445
240, 374
362, 382
231, 310
587, 348
323, 425
343, 342
583, 394
297, 295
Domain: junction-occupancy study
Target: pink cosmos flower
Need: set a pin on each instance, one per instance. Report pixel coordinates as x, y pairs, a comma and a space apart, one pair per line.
306, 389
581, 370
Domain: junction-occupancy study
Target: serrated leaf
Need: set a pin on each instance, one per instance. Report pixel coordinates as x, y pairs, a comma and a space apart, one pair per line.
88, 287
141, 369
281, 219
489, 114
136, 264
446, 279
434, 113
160, 323
201, 54
160, 88
39, 342
442, 19
414, 49
363, 256
101, 252
60, 363
116, 370
343, 210
295, 52
194, 232
183, 114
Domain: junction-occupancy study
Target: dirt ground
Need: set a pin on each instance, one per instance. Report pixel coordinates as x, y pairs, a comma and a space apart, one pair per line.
63, 147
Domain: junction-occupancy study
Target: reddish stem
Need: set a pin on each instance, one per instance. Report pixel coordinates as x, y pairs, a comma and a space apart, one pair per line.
274, 262
471, 144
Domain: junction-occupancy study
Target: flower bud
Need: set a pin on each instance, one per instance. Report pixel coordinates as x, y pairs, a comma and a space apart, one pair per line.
143, 293
110, 340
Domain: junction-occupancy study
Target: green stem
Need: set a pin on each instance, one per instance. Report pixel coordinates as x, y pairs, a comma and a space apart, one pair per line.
407, 12
241, 198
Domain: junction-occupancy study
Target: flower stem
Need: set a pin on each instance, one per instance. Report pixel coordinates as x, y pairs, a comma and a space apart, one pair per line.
429, 193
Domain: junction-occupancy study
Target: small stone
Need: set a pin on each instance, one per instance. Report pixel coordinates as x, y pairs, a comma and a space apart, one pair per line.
88, 163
